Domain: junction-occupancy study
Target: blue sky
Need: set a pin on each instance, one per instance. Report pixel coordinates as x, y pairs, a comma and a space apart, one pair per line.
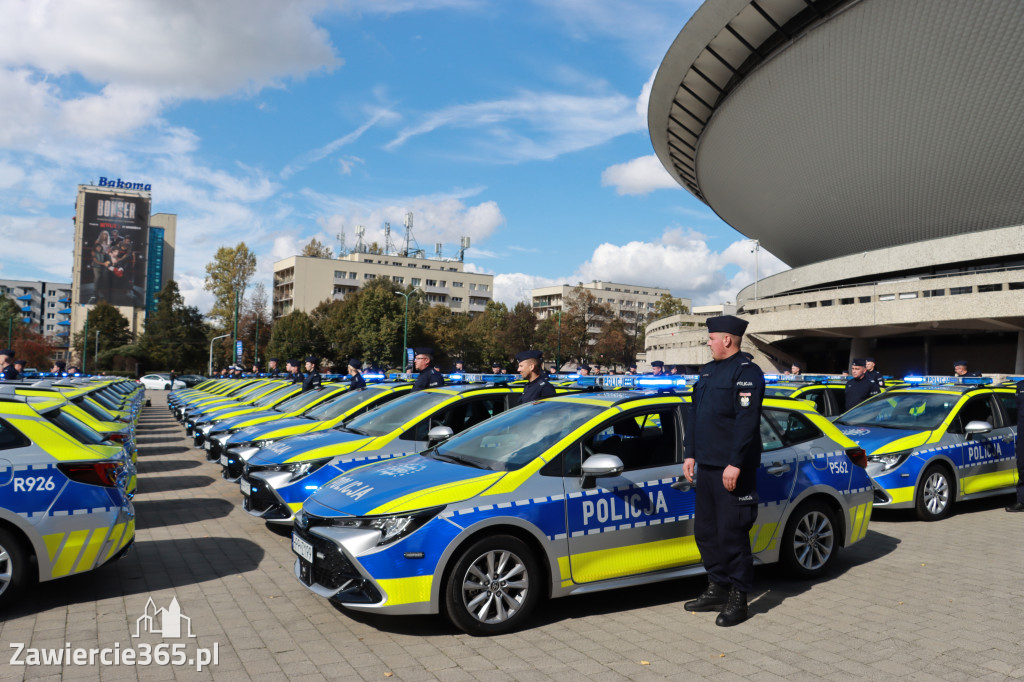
519, 124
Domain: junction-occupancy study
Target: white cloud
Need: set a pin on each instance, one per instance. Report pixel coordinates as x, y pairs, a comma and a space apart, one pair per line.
511, 288
10, 175
30, 247
191, 289
639, 176
332, 146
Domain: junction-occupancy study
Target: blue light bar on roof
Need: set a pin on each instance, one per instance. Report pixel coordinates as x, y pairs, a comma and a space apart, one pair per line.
937, 380
374, 377
661, 382
584, 381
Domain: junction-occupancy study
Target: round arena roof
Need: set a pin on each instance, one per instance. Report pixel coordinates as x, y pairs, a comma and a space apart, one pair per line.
829, 127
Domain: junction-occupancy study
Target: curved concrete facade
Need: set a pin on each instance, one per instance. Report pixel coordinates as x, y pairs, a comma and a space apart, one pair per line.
825, 129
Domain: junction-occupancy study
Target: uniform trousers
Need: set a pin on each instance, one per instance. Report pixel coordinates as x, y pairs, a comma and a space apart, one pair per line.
721, 525
1020, 472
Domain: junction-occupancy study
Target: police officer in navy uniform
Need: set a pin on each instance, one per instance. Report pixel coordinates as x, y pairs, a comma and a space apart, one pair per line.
273, 370
859, 387
530, 368
293, 371
7, 371
960, 369
495, 367
1018, 506
312, 379
583, 370
58, 367
355, 365
657, 368
423, 362
873, 374
723, 443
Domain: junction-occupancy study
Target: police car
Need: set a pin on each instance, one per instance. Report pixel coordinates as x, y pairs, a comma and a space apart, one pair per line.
262, 398
64, 508
937, 441
234, 448
229, 391
828, 394
566, 495
277, 479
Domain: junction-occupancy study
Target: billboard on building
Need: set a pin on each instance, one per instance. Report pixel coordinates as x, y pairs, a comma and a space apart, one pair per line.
115, 231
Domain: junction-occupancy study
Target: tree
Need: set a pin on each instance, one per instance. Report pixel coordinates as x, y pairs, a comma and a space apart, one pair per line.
380, 320
176, 337
10, 317
295, 336
521, 327
228, 276
447, 331
668, 305
113, 332
316, 249
336, 322
612, 346
582, 319
487, 334
254, 327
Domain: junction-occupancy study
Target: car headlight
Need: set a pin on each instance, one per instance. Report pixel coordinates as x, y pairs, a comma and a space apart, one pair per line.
891, 460
392, 528
266, 442
297, 469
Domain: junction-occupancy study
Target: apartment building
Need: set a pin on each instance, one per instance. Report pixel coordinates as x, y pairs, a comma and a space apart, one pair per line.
45, 309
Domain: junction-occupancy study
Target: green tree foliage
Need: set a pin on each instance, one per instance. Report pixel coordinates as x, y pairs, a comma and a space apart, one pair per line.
666, 306
294, 336
582, 319
448, 332
254, 328
176, 337
379, 322
487, 335
336, 321
10, 317
228, 275
521, 328
612, 346
316, 249
113, 328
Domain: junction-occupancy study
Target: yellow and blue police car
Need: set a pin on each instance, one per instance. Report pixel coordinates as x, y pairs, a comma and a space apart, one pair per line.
562, 496
827, 393
937, 441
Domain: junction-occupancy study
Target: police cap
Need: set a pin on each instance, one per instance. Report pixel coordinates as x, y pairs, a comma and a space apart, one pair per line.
857, 362
61, 364
355, 363
657, 363
529, 355
960, 363
869, 359
586, 367
632, 366
293, 362
495, 364
19, 362
312, 358
8, 352
274, 360
727, 324
424, 350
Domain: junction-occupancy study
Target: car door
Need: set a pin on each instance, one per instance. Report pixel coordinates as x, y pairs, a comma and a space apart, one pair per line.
634, 522
788, 441
985, 460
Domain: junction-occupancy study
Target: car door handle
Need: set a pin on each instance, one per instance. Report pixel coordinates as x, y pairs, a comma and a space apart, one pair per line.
778, 468
682, 485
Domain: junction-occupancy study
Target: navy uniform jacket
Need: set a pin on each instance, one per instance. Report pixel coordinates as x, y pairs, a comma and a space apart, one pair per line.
357, 382
537, 389
723, 423
859, 390
1020, 410
877, 378
426, 379
9, 373
296, 377
274, 373
311, 380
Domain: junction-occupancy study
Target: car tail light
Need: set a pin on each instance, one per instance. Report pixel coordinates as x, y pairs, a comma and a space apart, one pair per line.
858, 457
116, 437
93, 473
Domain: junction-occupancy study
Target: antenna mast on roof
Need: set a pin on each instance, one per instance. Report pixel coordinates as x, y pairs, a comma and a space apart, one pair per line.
411, 249
389, 246
360, 246
463, 245
341, 242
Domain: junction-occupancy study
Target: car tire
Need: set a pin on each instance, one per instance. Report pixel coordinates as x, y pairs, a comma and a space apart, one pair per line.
933, 499
14, 568
493, 587
167, 387
810, 542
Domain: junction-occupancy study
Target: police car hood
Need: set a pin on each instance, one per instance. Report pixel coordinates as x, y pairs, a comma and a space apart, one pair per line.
399, 485
232, 422
880, 440
308, 446
257, 431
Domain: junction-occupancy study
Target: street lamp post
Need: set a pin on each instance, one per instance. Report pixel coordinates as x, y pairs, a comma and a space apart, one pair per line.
405, 334
212, 341
558, 348
757, 252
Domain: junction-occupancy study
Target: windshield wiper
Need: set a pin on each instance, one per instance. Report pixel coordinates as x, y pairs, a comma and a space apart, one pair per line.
457, 460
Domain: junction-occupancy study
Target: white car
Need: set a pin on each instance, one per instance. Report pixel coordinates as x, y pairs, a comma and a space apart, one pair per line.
161, 382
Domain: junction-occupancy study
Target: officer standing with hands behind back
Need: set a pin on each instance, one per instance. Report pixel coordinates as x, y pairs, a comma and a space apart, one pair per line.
530, 369
723, 442
423, 362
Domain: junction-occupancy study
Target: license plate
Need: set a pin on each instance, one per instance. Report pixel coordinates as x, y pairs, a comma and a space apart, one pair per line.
302, 548
223, 460
244, 486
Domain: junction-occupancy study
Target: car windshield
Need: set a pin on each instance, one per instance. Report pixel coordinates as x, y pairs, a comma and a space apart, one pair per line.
302, 400
342, 404
917, 411
397, 413
94, 410
512, 439
775, 391
75, 428
273, 396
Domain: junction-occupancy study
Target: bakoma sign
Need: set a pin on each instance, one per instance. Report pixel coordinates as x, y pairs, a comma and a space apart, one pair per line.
120, 184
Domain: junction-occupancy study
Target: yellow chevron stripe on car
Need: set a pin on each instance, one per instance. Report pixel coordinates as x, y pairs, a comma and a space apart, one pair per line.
407, 590
761, 536
119, 534
564, 571
910, 442
92, 550
901, 494
53, 543
73, 545
446, 493
616, 562
990, 481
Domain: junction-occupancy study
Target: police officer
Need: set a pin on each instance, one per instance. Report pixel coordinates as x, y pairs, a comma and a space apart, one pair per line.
7, 371
1018, 506
19, 366
960, 369
873, 374
423, 362
355, 365
859, 387
723, 442
459, 367
795, 369
272, 369
632, 369
495, 367
657, 368
58, 367
583, 370
293, 371
530, 369
312, 379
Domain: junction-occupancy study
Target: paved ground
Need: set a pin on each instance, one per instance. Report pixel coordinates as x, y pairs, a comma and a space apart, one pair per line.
929, 601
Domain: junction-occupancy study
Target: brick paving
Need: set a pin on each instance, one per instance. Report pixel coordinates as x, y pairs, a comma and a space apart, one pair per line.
923, 600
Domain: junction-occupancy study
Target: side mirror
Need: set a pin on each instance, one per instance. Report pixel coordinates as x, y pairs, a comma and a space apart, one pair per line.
977, 428
439, 433
601, 465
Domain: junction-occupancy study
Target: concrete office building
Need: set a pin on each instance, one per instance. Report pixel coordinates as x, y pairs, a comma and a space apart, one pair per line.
632, 302
45, 309
302, 282
874, 147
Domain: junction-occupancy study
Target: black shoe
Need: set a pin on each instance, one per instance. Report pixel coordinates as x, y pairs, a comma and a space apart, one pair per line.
712, 599
735, 611
1016, 507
